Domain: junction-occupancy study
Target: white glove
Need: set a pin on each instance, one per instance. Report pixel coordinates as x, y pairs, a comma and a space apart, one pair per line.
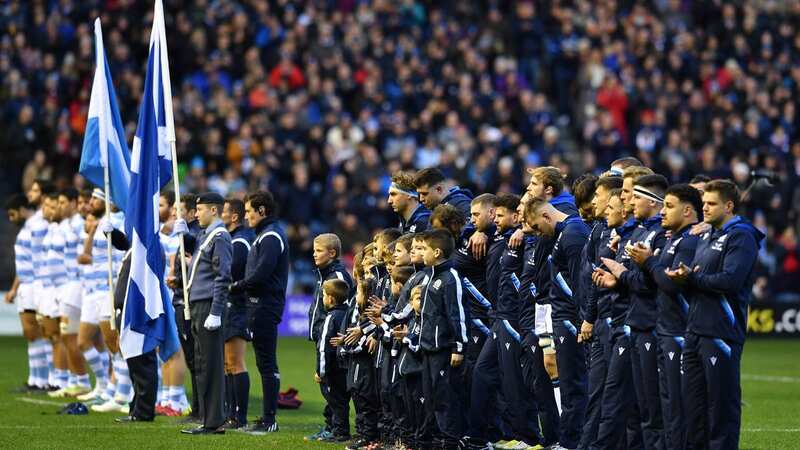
105, 226
180, 227
213, 322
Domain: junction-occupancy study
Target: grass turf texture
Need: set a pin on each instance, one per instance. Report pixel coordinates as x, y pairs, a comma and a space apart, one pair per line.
770, 382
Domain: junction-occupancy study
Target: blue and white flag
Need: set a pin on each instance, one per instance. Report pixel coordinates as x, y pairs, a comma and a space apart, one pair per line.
104, 142
148, 316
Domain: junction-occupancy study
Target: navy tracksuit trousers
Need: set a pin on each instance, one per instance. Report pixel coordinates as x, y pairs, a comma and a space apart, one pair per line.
644, 362
671, 390
571, 360
713, 393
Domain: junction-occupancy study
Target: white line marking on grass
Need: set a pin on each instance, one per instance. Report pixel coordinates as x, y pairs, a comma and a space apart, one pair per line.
771, 430
752, 377
36, 401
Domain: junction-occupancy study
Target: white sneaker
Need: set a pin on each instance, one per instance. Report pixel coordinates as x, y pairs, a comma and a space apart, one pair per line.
109, 406
94, 394
521, 445
61, 393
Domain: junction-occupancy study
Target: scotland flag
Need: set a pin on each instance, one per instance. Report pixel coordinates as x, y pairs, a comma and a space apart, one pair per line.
104, 142
148, 317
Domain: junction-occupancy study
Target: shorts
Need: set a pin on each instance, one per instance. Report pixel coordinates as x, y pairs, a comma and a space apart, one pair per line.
89, 307
104, 307
26, 300
544, 321
70, 319
48, 303
234, 323
69, 294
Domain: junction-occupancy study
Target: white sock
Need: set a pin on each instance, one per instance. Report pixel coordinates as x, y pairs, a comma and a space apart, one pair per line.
124, 393
50, 374
40, 363
31, 364
95, 361
177, 398
557, 394
72, 379
83, 381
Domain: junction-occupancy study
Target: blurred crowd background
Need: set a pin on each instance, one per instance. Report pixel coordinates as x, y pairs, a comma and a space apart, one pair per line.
320, 101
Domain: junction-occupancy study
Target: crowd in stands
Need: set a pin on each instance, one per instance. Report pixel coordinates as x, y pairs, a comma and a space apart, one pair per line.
322, 101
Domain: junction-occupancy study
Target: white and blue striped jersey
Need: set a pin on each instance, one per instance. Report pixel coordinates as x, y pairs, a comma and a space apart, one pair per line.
54, 243
71, 244
38, 228
98, 275
170, 244
77, 224
22, 254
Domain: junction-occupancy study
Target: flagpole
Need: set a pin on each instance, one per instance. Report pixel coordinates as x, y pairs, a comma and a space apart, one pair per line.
158, 21
108, 246
176, 187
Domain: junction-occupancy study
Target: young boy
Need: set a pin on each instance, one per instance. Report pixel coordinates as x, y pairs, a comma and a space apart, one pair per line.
327, 250
331, 376
409, 367
443, 337
361, 381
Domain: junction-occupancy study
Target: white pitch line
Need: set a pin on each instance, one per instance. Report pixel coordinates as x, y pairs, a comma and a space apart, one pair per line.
36, 401
752, 377
771, 430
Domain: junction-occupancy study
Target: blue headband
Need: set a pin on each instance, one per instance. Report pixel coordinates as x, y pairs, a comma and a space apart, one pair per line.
395, 187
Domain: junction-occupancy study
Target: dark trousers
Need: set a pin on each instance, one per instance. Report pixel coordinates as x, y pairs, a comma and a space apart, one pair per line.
210, 366
479, 330
671, 390
143, 370
395, 396
413, 405
618, 396
644, 362
264, 327
711, 369
443, 390
538, 382
364, 392
338, 400
499, 367
599, 354
186, 337
571, 361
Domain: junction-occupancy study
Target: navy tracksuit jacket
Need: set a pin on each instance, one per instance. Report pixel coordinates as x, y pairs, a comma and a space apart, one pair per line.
718, 294
565, 279
642, 313
498, 365
418, 222
443, 331
618, 397
671, 328
459, 198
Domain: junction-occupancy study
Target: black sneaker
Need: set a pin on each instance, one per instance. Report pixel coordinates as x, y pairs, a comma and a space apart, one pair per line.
360, 444
231, 424
259, 428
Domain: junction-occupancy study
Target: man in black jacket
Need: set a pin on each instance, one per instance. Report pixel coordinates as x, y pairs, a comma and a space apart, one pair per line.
683, 207
264, 283
570, 234
209, 278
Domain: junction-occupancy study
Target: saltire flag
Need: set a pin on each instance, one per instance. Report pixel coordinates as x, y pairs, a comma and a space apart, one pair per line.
148, 316
104, 142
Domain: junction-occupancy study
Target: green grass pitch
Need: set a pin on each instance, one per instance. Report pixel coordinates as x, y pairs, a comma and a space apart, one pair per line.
770, 381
